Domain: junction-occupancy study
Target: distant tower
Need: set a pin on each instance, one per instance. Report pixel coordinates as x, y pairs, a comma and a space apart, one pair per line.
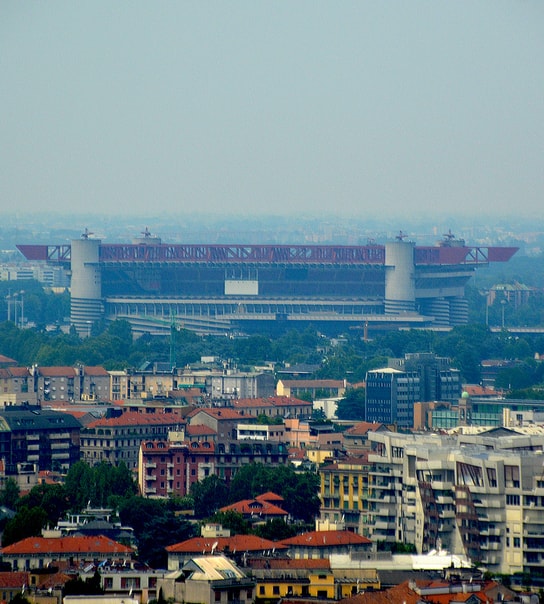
86, 290
400, 287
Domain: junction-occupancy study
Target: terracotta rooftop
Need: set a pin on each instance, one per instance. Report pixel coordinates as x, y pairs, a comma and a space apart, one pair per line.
131, 418
65, 545
270, 497
250, 507
96, 371
363, 428
200, 430
57, 371
14, 579
326, 539
4, 360
220, 413
237, 543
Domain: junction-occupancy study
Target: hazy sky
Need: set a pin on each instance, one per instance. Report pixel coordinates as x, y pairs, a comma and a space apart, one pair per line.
285, 107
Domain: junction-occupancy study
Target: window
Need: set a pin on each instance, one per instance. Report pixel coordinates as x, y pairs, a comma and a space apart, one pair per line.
261, 590
511, 476
217, 595
276, 590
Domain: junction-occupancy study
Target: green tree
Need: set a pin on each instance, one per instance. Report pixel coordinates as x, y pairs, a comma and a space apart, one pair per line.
9, 496
209, 495
299, 490
79, 485
51, 498
352, 405
88, 587
275, 530
234, 521
27, 522
155, 527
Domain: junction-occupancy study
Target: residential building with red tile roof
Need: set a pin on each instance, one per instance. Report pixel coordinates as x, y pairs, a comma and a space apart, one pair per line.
39, 552
438, 592
208, 580
271, 497
356, 437
118, 439
321, 544
6, 361
236, 547
256, 510
16, 386
222, 420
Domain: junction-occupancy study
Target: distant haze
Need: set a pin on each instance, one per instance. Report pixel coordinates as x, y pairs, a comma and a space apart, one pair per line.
379, 109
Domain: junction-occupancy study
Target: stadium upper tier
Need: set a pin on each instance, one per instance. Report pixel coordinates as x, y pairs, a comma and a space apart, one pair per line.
218, 288
270, 254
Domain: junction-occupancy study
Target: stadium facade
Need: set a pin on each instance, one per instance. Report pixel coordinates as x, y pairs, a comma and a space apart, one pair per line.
240, 288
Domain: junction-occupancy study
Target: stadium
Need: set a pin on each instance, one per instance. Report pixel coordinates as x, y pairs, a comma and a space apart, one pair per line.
226, 289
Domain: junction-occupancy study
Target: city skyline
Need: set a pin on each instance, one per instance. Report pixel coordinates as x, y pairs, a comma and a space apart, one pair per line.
396, 111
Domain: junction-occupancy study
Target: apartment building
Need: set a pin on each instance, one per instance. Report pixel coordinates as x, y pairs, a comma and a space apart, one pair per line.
391, 392
118, 439
344, 494
80, 383
31, 435
171, 467
480, 495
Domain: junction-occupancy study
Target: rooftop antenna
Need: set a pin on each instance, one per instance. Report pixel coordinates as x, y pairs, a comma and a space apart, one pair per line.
401, 236
449, 235
146, 233
86, 234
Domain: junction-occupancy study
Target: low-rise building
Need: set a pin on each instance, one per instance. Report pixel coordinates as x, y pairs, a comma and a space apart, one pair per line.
208, 580
237, 547
40, 552
314, 389
322, 544
274, 407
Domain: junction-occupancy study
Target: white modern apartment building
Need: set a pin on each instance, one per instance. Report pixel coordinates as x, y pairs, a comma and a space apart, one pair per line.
481, 496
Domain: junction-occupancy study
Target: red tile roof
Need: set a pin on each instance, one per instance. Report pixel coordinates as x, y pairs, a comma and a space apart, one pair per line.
5, 360
66, 545
237, 543
220, 413
363, 428
270, 497
271, 401
326, 539
57, 371
14, 579
200, 430
132, 418
96, 371
249, 507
